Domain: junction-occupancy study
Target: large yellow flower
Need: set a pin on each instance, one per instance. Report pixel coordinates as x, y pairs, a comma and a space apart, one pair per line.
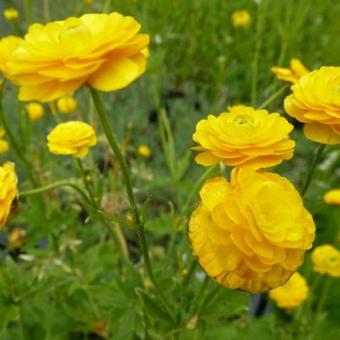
326, 260
102, 50
72, 138
8, 190
292, 294
292, 74
244, 137
251, 233
315, 101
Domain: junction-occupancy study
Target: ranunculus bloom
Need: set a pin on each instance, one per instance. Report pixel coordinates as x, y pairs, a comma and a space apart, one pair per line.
72, 138
292, 74
241, 18
332, 197
35, 111
8, 190
104, 51
244, 137
292, 294
315, 101
251, 233
326, 260
4, 146
67, 104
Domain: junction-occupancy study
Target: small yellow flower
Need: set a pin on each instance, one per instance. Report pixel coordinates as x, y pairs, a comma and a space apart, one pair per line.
326, 260
315, 101
244, 137
292, 294
17, 237
72, 138
35, 111
2, 133
250, 233
67, 104
11, 14
144, 151
292, 74
8, 190
88, 2
105, 51
332, 197
4, 146
241, 18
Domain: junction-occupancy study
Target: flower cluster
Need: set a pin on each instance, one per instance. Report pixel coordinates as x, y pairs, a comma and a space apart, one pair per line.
292, 293
244, 137
105, 51
315, 101
8, 190
72, 138
326, 260
250, 233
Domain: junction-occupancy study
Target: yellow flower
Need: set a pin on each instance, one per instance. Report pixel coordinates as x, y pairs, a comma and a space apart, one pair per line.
144, 151
35, 111
326, 260
88, 2
104, 51
3, 146
11, 14
292, 74
332, 197
2, 133
292, 294
241, 18
8, 190
315, 101
244, 137
67, 104
17, 237
251, 233
72, 138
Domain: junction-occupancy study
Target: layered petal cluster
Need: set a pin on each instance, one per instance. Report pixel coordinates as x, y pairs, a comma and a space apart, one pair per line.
291, 74
326, 260
73, 138
292, 294
332, 197
244, 137
315, 101
8, 190
105, 51
251, 233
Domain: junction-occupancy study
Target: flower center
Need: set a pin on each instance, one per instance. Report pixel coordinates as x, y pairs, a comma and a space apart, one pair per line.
244, 120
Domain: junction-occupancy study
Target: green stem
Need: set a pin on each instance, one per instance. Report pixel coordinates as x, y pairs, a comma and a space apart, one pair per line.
275, 95
255, 65
324, 295
14, 144
27, 10
54, 186
315, 162
128, 184
187, 205
191, 271
46, 6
